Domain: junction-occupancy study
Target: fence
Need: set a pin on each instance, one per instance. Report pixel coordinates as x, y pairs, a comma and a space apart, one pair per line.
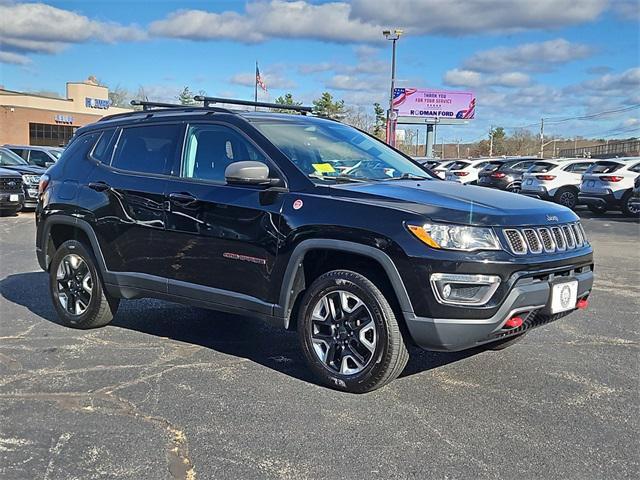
605, 150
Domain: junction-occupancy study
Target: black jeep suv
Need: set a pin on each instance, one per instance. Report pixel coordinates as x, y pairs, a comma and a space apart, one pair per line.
248, 212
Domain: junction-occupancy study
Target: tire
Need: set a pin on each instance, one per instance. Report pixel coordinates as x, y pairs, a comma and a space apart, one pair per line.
597, 209
626, 208
73, 276
502, 344
332, 324
9, 212
567, 197
514, 188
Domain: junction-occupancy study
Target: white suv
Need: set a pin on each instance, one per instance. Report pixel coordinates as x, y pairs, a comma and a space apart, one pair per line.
465, 171
556, 180
441, 169
608, 184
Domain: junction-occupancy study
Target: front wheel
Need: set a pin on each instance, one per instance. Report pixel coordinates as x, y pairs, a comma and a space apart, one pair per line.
349, 333
76, 288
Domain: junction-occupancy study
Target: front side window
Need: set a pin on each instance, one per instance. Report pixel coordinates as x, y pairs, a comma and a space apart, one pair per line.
329, 151
147, 149
210, 149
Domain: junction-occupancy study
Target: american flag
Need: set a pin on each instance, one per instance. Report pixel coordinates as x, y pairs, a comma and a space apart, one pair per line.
259, 80
401, 94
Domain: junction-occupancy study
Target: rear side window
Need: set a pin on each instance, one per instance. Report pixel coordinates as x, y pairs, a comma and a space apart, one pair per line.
80, 147
542, 167
148, 149
104, 148
578, 167
604, 167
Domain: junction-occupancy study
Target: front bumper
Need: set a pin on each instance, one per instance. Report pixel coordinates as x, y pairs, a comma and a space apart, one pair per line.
7, 203
529, 298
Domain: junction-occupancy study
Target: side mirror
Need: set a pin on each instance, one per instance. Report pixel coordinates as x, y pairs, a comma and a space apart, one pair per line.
49, 164
249, 173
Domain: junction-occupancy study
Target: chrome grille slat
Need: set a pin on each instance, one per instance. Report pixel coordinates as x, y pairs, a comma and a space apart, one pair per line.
552, 239
568, 234
533, 242
515, 241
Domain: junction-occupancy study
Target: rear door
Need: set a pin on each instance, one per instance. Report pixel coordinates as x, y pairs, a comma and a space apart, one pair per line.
222, 239
129, 201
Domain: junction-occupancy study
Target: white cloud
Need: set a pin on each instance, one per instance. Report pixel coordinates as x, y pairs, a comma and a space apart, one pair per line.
615, 83
264, 20
349, 82
40, 28
529, 57
472, 79
462, 17
14, 58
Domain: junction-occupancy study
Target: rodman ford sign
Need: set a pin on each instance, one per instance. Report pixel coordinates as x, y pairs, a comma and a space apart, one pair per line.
97, 103
413, 105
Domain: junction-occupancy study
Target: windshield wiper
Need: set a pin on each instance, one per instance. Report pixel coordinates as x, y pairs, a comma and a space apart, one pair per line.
343, 178
407, 176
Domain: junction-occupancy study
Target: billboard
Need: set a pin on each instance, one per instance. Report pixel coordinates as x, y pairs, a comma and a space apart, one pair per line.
413, 105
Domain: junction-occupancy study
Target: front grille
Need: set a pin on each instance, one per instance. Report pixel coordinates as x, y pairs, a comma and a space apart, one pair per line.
521, 241
10, 184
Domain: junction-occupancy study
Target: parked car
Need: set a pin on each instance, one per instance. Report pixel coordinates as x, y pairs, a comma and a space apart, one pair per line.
34, 155
30, 175
505, 174
556, 180
428, 162
634, 203
465, 171
11, 196
441, 169
237, 211
608, 185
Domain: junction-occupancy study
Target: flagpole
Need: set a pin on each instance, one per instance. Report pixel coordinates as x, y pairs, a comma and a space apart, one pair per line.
255, 93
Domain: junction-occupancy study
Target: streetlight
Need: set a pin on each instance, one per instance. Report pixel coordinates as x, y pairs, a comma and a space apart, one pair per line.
391, 133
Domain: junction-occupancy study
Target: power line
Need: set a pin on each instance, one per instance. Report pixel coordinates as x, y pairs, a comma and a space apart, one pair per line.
549, 120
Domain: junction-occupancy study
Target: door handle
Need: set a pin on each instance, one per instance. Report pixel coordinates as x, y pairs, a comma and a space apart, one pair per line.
98, 186
183, 198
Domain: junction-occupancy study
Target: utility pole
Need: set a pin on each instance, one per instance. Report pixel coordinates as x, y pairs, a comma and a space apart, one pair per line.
417, 140
442, 154
391, 131
458, 148
542, 138
491, 141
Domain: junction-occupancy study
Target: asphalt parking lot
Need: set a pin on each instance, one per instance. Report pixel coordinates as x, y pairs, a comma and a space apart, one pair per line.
174, 392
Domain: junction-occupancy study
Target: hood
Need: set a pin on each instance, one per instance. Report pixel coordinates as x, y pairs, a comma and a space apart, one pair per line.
450, 202
25, 169
4, 172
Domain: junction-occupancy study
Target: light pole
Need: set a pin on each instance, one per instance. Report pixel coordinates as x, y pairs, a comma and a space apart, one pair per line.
391, 133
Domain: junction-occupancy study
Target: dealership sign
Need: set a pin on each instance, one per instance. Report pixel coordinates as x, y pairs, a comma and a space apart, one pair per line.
412, 104
97, 103
63, 119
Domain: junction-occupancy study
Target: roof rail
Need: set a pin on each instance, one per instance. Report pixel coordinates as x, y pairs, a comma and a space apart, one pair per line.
149, 105
230, 101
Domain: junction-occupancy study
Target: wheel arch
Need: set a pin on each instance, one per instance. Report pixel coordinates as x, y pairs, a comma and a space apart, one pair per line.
295, 278
57, 230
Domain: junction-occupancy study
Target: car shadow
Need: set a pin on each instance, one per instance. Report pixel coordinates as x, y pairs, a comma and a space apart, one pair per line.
243, 337
609, 216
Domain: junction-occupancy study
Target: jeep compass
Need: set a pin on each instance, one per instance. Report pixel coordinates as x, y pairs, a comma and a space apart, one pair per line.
307, 223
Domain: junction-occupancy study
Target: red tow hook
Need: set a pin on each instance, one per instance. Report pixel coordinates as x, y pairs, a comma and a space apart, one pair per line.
513, 322
582, 304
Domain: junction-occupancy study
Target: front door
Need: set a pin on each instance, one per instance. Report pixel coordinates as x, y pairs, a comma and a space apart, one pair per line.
222, 239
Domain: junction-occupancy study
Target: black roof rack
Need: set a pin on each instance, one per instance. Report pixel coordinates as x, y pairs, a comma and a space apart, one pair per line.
149, 105
208, 101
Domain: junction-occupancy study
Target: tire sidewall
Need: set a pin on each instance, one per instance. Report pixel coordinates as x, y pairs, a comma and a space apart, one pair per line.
334, 379
562, 192
76, 248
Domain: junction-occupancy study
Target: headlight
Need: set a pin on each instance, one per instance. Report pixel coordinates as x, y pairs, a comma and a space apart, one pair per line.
31, 179
456, 237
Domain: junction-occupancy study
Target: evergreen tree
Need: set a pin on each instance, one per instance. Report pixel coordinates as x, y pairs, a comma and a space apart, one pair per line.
325, 106
186, 97
287, 99
380, 121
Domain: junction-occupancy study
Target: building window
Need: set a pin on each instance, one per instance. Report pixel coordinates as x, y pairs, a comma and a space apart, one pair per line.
48, 135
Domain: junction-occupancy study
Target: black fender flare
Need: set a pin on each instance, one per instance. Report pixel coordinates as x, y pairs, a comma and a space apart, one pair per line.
294, 271
72, 222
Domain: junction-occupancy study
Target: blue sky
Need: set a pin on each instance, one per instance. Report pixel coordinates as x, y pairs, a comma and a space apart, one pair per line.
524, 59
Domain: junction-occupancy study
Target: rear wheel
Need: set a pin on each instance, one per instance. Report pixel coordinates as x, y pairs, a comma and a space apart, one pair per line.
567, 197
628, 209
514, 188
349, 333
597, 208
76, 288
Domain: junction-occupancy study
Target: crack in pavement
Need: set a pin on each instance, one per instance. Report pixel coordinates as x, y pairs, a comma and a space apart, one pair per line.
179, 463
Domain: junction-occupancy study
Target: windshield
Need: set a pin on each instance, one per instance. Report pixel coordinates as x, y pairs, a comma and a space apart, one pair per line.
7, 158
604, 167
56, 153
331, 151
542, 167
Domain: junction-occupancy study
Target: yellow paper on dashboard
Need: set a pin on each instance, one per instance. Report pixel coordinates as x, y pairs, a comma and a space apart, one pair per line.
323, 167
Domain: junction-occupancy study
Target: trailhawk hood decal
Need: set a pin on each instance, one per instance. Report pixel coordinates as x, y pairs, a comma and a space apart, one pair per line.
455, 203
